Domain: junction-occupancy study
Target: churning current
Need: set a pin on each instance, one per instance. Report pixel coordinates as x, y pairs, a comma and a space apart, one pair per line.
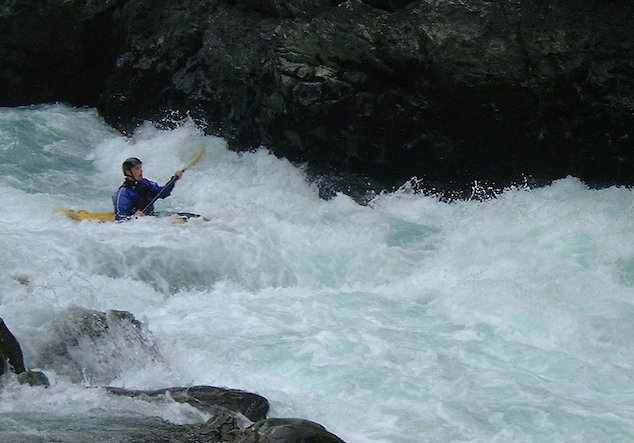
410, 319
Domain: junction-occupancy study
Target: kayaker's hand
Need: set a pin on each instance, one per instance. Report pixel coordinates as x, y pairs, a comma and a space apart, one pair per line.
178, 174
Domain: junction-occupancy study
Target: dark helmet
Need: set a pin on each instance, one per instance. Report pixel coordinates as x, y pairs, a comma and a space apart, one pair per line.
130, 163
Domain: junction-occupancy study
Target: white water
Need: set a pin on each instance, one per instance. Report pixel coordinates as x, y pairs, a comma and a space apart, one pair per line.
409, 320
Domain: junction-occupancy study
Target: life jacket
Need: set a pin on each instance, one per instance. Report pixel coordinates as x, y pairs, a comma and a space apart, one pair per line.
145, 196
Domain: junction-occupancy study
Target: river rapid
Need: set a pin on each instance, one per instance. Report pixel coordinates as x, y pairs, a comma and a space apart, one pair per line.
407, 320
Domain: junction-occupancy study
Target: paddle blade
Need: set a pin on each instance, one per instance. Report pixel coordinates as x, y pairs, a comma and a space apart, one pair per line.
196, 157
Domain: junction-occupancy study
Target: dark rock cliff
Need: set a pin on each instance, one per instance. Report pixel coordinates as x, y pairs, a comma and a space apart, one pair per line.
452, 91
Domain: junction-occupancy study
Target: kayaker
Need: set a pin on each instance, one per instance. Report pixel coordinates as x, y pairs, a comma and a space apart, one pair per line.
136, 193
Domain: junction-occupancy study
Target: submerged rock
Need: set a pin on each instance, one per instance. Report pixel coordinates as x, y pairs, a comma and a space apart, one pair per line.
96, 347
33, 378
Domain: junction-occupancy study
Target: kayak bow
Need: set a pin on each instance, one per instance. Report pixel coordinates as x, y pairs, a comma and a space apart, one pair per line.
102, 217
85, 215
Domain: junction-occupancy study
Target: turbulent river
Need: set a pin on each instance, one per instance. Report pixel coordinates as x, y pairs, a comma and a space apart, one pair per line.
407, 320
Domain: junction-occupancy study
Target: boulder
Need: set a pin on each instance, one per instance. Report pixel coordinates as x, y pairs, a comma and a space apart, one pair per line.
224, 428
286, 430
94, 346
233, 409
206, 398
33, 378
11, 359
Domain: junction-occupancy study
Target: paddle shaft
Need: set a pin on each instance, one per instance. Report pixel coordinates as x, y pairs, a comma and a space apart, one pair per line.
157, 196
195, 158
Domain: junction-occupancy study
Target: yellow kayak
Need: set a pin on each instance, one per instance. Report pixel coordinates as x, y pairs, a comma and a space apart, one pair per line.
102, 217
85, 215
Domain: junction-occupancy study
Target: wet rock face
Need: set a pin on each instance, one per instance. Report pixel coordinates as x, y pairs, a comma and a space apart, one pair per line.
11, 359
291, 8
448, 91
56, 51
206, 398
95, 347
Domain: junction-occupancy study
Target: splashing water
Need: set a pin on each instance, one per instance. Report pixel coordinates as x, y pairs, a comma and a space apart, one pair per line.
406, 320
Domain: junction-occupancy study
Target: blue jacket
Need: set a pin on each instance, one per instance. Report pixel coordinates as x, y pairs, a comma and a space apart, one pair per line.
135, 196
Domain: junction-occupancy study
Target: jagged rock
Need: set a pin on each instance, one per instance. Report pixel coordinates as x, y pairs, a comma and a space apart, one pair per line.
11, 358
206, 398
286, 430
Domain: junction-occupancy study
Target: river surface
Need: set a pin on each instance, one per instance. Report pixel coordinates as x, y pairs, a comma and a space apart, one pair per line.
407, 320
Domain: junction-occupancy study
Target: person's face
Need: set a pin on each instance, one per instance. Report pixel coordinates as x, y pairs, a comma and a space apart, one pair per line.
137, 172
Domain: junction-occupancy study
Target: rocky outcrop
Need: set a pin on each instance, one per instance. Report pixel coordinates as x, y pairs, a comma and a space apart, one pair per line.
237, 416
449, 91
227, 426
